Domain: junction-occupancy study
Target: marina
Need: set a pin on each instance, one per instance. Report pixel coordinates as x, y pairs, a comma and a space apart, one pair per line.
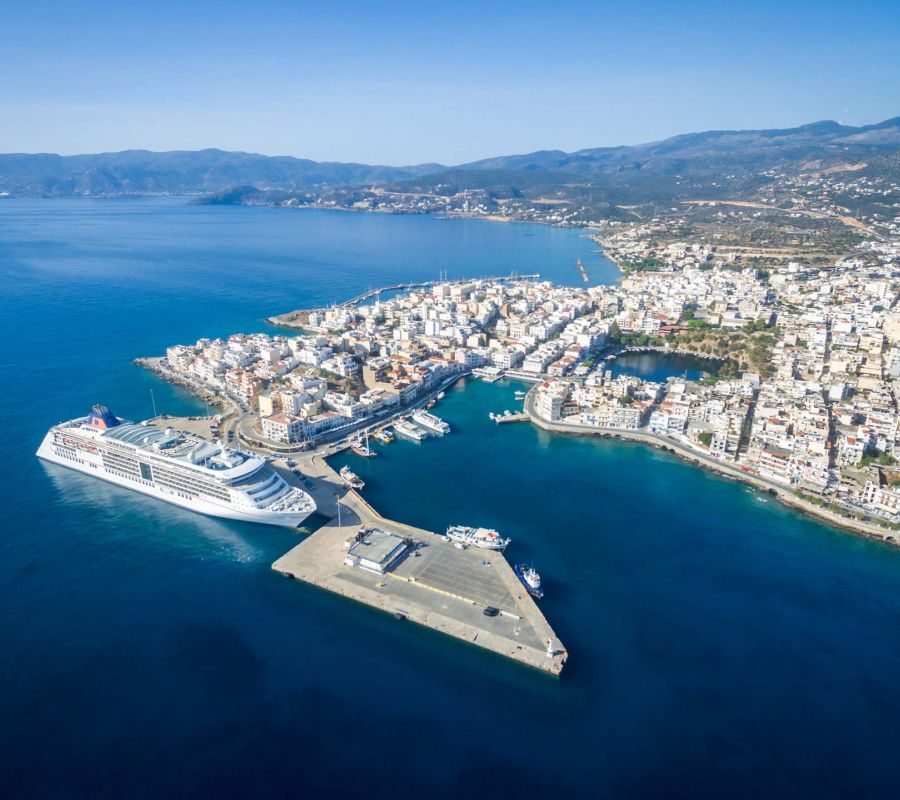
299, 318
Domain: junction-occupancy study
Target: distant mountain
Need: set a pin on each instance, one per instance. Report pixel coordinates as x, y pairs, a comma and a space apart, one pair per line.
713, 163
144, 172
709, 164
741, 147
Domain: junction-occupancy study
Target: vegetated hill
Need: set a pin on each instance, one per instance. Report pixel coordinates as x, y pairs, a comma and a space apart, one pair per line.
180, 172
714, 163
744, 149
710, 164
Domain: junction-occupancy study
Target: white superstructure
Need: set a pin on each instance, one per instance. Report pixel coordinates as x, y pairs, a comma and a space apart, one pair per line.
190, 472
430, 422
486, 538
408, 431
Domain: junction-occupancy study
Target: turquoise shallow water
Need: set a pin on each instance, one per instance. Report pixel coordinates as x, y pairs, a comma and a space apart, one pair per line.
719, 644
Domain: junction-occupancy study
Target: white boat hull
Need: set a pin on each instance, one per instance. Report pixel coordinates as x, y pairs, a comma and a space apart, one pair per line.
92, 464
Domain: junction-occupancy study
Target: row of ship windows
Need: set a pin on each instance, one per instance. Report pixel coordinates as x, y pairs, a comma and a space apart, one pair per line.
71, 456
127, 475
181, 482
164, 477
132, 477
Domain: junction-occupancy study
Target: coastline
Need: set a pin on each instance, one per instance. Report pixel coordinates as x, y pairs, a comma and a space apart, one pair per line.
154, 364
782, 493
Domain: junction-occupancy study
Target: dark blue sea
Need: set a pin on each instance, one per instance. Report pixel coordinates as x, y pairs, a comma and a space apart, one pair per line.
720, 644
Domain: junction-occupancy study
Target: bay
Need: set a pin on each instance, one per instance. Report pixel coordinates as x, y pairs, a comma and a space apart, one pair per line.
719, 642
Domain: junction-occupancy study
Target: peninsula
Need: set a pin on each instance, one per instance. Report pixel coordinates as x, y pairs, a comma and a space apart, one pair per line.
799, 397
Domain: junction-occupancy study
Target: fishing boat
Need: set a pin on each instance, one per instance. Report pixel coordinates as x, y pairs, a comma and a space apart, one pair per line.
351, 478
485, 538
361, 447
530, 580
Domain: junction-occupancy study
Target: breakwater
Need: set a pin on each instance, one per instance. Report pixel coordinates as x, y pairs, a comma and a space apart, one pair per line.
298, 318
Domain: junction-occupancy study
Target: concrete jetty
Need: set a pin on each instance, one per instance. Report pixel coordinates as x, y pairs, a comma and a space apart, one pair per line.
436, 584
502, 419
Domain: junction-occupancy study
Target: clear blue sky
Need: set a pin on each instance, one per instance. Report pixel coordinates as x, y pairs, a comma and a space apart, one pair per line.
400, 83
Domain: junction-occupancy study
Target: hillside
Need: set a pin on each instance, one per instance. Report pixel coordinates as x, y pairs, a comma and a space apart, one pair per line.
712, 164
179, 172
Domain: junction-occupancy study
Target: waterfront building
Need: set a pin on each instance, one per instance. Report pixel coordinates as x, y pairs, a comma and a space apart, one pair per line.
375, 550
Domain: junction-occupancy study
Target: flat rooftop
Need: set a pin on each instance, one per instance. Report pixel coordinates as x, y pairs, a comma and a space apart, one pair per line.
377, 546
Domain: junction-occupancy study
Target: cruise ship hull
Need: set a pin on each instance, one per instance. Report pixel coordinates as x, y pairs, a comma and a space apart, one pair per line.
90, 463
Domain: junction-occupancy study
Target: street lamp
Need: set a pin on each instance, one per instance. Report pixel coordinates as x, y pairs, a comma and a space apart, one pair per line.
337, 500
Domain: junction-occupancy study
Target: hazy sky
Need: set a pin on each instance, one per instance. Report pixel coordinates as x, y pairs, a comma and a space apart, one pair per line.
399, 83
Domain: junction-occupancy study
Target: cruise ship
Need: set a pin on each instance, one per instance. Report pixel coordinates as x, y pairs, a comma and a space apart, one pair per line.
184, 470
430, 422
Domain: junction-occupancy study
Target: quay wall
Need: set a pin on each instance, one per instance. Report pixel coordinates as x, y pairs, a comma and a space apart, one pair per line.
779, 491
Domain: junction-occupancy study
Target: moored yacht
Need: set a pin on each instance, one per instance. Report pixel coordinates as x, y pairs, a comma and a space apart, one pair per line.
408, 431
351, 478
361, 447
430, 422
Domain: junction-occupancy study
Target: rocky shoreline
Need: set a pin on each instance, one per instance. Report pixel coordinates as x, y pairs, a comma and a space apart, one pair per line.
154, 365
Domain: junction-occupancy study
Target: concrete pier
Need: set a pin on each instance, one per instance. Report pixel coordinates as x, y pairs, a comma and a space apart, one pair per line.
436, 585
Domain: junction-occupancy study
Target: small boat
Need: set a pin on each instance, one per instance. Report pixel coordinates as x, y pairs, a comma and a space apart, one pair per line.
384, 436
351, 478
441, 395
409, 431
530, 580
361, 447
430, 422
486, 538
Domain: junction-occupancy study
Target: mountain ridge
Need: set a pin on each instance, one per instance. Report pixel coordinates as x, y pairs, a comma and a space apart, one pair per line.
622, 173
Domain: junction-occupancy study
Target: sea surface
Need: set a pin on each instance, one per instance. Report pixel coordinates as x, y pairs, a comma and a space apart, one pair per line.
720, 644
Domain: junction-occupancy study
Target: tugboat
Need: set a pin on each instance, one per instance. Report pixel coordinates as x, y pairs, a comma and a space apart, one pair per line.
351, 478
361, 448
530, 580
